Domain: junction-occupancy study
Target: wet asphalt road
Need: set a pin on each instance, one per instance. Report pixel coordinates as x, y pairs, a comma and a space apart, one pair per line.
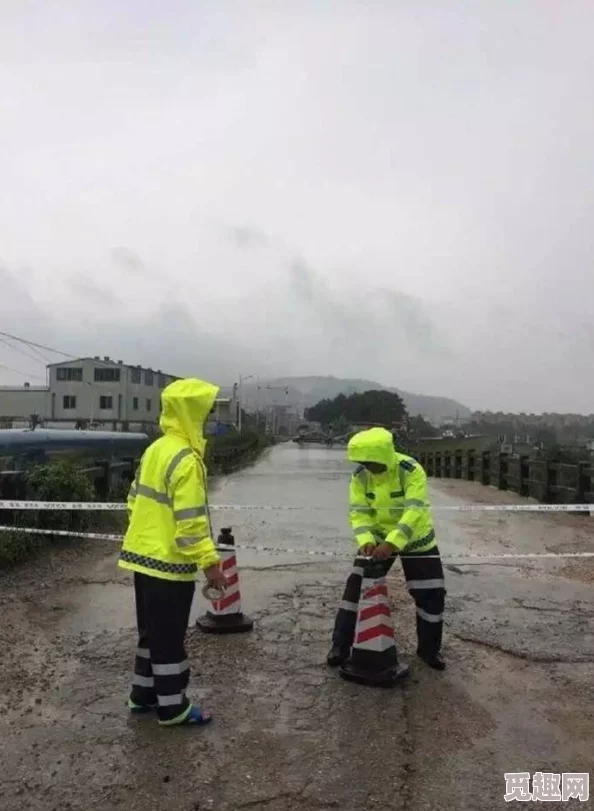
518, 694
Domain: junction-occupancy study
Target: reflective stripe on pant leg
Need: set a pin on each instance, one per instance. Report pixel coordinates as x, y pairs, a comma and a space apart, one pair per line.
426, 584
143, 685
169, 604
346, 616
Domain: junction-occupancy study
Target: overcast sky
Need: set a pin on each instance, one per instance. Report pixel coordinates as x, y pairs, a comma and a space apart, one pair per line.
398, 190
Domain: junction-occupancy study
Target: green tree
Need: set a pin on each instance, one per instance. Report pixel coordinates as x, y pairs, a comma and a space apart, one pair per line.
372, 407
418, 428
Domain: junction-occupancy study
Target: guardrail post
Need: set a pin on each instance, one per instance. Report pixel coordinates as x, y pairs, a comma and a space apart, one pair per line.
470, 466
438, 464
523, 474
589, 483
550, 482
583, 485
502, 471
486, 474
458, 464
103, 480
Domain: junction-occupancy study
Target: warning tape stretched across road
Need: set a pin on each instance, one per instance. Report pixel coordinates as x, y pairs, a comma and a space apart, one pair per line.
313, 553
480, 508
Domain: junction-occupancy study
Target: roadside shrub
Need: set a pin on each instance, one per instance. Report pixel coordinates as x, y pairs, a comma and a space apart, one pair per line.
56, 481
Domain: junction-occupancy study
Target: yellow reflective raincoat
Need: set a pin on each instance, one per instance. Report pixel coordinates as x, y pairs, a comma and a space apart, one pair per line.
169, 534
390, 506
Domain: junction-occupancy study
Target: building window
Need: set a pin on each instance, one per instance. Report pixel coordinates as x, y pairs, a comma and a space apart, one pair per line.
136, 376
149, 377
162, 381
71, 373
135, 404
69, 402
107, 375
149, 405
106, 403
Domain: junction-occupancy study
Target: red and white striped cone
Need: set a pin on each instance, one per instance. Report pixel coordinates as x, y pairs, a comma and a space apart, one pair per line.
225, 615
373, 659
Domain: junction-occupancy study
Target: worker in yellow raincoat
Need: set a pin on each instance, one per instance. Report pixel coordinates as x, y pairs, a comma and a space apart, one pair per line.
389, 515
169, 539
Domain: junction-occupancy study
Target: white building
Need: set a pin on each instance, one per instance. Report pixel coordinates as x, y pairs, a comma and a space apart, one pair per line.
97, 392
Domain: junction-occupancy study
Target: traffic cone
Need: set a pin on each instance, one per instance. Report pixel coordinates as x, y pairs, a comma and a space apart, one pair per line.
373, 660
225, 616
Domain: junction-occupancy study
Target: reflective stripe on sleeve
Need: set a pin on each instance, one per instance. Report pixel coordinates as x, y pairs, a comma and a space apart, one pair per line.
189, 512
406, 530
364, 510
362, 530
183, 542
414, 502
174, 463
154, 495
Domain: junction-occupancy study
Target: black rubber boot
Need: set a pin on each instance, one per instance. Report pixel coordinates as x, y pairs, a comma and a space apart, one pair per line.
337, 656
434, 661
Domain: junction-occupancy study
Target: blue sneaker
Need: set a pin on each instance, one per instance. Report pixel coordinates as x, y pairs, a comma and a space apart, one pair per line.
193, 717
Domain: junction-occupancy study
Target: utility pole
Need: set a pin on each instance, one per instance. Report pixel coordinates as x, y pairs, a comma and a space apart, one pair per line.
271, 409
239, 400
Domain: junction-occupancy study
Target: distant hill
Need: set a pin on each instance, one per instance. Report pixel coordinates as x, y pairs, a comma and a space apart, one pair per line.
307, 391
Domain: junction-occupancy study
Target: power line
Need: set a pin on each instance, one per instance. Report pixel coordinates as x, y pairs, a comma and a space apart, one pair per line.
36, 347
19, 372
21, 351
68, 355
32, 344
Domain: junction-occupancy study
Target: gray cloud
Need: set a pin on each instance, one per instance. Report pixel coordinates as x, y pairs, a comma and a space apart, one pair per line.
87, 289
128, 260
382, 190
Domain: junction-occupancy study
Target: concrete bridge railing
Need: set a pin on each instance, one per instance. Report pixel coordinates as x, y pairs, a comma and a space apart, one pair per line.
546, 481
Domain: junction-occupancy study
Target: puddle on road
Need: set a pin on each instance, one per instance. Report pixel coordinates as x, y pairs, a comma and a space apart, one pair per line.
98, 607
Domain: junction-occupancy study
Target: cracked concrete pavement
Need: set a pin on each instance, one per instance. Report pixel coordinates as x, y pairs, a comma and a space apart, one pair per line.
289, 735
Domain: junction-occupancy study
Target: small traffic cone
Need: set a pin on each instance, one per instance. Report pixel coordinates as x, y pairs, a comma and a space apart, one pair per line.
373, 660
226, 616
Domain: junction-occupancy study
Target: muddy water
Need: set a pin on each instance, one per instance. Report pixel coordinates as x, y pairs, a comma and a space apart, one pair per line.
289, 735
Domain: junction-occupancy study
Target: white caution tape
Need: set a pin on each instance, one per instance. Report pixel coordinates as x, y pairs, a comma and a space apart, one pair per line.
314, 553
479, 508
62, 505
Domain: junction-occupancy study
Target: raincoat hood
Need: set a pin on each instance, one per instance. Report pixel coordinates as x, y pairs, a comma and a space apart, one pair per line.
372, 445
185, 406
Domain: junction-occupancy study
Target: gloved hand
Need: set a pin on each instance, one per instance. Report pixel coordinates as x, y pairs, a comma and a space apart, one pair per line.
215, 577
383, 551
367, 550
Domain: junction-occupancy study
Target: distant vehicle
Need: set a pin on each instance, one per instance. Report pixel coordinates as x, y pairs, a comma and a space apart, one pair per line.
311, 438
